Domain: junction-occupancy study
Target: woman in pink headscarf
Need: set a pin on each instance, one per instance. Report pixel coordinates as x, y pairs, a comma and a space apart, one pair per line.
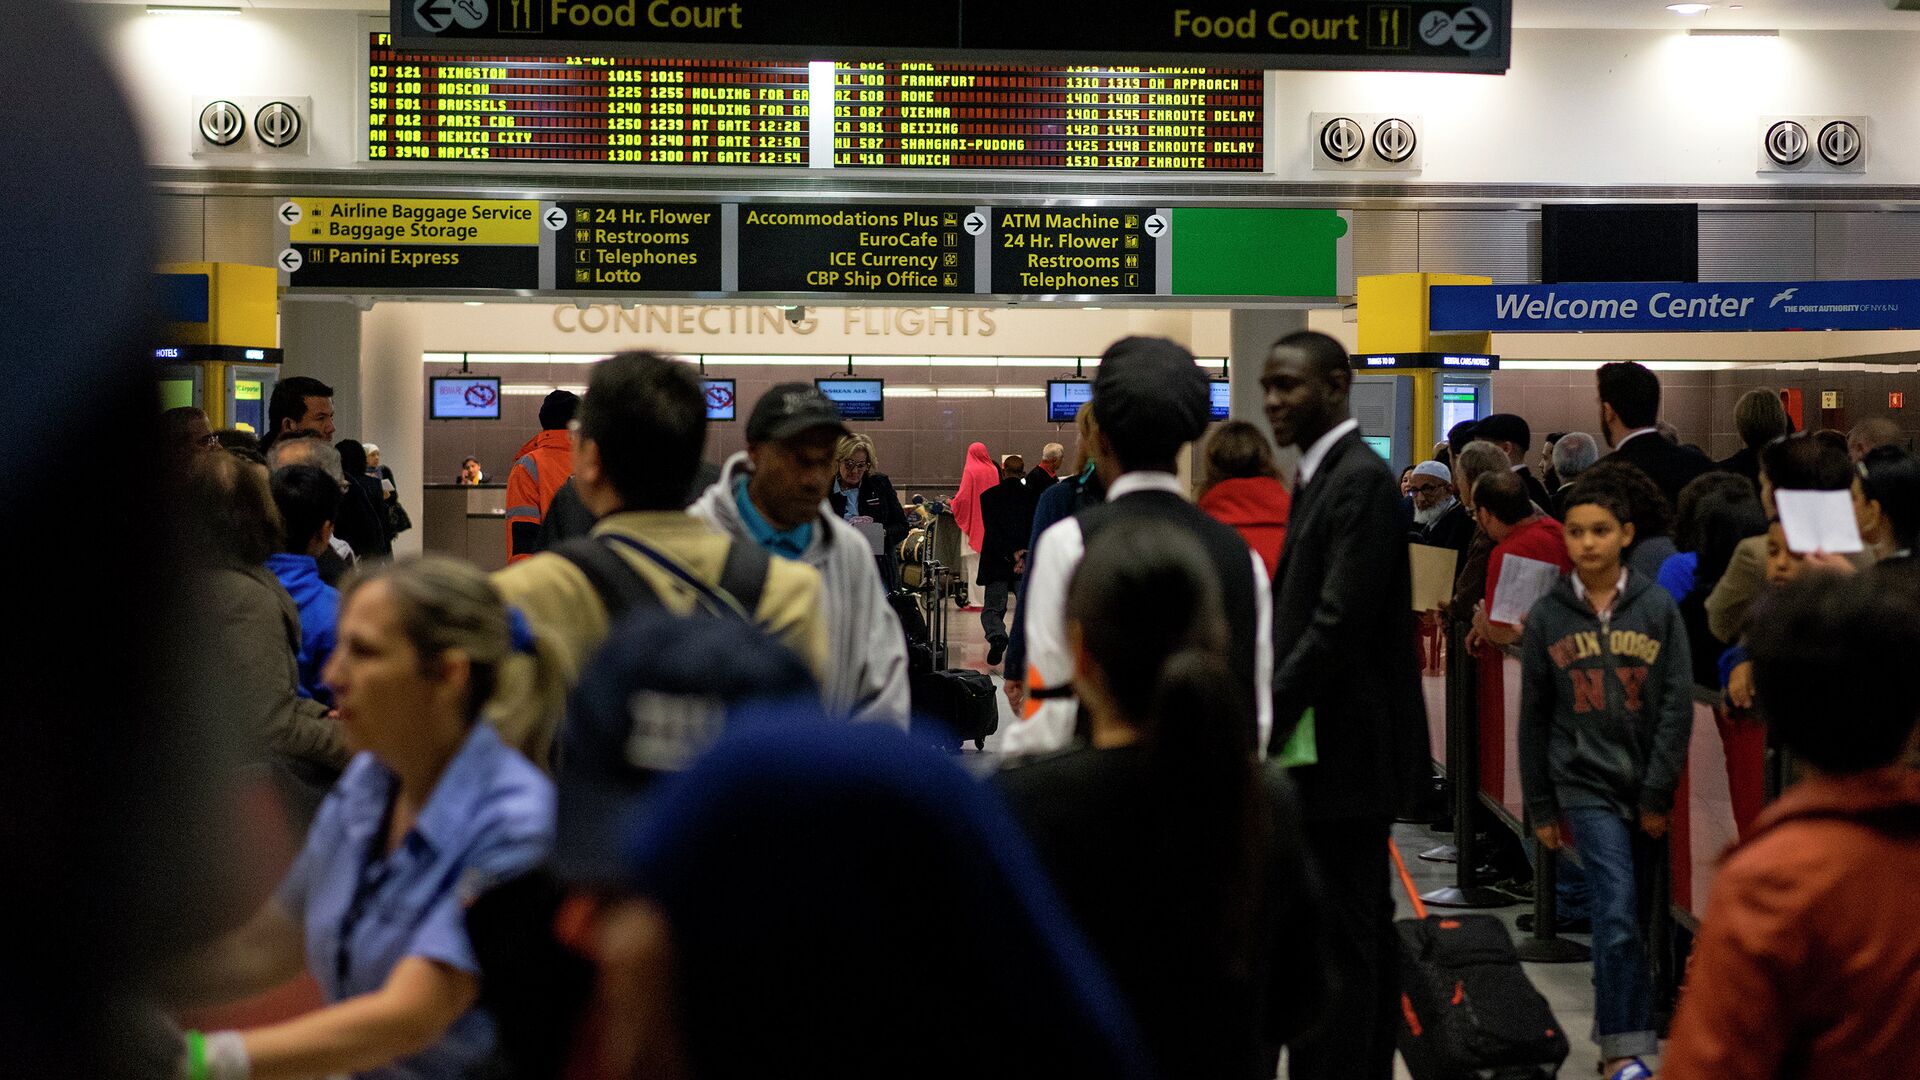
978, 475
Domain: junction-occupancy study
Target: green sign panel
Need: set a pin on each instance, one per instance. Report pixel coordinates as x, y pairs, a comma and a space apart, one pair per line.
1223, 251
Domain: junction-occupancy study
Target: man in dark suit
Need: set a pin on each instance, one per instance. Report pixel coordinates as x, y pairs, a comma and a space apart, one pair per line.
1629, 408
1512, 435
1344, 634
1007, 510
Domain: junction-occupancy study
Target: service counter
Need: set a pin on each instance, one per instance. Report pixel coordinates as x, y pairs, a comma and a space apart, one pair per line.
466, 521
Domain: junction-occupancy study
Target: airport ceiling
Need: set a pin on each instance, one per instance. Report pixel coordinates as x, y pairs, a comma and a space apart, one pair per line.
1570, 14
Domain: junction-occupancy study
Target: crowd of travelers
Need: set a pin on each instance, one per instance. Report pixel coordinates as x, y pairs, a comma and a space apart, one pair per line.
640, 803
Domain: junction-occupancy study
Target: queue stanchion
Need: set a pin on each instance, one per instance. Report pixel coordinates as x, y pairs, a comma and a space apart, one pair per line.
1463, 767
1459, 669
1546, 946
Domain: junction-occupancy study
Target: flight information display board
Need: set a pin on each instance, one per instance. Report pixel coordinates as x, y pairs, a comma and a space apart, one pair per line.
425, 106
980, 116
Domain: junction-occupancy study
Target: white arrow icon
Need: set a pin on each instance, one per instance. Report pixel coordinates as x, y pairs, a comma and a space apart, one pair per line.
976, 223
555, 219
290, 261
291, 213
1156, 226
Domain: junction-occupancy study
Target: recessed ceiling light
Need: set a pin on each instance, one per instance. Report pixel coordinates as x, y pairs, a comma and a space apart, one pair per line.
1689, 9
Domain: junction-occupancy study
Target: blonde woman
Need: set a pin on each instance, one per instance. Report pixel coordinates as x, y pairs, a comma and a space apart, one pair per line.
433, 809
862, 494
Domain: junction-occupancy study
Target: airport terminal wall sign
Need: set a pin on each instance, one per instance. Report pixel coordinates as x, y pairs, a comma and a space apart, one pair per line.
893, 250
1408, 35
1643, 307
811, 250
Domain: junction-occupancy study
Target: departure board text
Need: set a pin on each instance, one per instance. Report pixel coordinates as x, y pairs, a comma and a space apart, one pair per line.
938, 116
424, 106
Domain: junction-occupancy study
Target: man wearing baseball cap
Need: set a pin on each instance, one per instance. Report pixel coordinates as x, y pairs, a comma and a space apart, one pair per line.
1149, 400
775, 495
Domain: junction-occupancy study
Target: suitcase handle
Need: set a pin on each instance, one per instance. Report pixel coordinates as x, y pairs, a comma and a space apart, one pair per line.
1406, 880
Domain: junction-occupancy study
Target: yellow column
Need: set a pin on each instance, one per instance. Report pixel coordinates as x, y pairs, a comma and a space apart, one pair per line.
1394, 317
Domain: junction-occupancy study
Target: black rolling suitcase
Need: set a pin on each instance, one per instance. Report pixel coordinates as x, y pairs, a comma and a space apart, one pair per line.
949, 707
1467, 1009
960, 704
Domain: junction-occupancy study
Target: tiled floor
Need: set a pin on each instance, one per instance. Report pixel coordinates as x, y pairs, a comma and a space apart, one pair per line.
1568, 987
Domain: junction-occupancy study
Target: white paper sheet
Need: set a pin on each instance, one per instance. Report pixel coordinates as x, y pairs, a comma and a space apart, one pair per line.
1523, 582
1819, 521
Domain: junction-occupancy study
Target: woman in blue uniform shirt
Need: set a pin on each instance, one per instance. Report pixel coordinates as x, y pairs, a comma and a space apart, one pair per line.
432, 811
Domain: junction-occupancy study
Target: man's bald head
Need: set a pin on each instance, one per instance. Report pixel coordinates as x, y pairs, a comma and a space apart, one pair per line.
1870, 435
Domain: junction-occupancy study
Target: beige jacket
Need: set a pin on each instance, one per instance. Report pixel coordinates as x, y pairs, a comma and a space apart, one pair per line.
569, 622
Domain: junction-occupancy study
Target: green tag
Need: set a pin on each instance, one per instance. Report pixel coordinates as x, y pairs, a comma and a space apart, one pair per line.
1301, 749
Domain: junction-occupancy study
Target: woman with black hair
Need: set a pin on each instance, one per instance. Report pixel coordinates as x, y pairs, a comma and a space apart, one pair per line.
1887, 502
1178, 855
1717, 511
362, 520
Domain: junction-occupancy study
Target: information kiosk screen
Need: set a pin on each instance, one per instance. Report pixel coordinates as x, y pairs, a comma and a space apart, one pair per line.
465, 397
1221, 393
1065, 398
857, 399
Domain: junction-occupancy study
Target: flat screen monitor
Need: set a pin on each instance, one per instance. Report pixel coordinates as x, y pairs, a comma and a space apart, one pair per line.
1620, 243
857, 399
1459, 402
721, 401
1379, 444
465, 397
1065, 398
176, 393
1220, 394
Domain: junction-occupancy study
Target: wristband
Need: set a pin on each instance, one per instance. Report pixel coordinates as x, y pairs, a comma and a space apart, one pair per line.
226, 1055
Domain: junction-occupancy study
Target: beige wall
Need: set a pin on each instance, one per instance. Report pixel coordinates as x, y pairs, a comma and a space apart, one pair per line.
922, 442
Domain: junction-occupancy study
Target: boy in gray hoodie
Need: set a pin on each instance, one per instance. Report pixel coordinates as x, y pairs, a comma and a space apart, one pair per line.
1606, 709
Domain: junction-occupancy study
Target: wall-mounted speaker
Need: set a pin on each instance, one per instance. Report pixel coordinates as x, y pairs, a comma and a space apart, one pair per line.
1813, 144
1367, 142
251, 126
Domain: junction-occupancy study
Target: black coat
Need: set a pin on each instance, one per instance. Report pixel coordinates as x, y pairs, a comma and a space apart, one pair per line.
1536, 490
1037, 481
1344, 641
1453, 530
1007, 511
362, 519
1120, 843
1670, 467
879, 502
1746, 462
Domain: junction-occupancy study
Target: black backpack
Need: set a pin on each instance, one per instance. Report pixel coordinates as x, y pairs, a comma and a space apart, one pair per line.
661, 688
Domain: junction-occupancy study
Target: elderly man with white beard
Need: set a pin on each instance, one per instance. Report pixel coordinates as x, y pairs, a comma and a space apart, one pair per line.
1439, 518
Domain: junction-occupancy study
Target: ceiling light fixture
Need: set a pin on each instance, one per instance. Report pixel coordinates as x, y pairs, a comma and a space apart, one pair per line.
1733, 33
191, 9
1689, 9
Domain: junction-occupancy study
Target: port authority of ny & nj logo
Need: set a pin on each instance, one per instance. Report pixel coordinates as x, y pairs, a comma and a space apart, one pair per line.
1644, 307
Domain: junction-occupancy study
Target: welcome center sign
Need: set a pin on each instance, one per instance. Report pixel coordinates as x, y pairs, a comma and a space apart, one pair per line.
1654, 307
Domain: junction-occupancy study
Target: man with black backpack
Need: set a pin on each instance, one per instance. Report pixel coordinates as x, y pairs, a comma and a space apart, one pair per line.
642, 426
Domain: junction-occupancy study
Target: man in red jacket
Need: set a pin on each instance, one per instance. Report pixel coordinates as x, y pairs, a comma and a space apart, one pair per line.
1805, 963
539, 470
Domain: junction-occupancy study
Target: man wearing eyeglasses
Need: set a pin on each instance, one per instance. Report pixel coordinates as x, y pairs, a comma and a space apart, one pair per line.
1439, 518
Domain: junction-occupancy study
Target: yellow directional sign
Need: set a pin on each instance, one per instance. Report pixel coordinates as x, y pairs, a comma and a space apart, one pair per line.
439, 222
